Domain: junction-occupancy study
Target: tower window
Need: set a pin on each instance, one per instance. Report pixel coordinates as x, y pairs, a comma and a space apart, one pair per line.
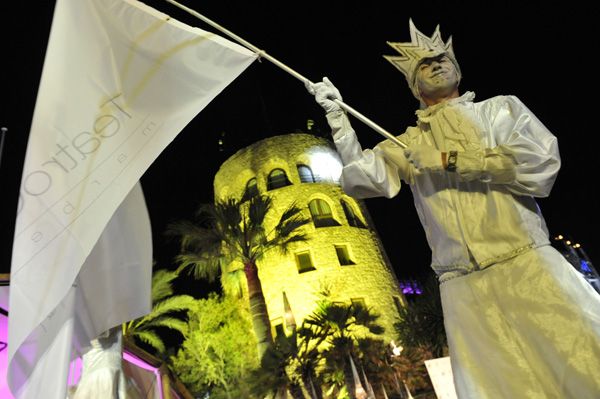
277, 327
359, 302
343, 255
304, 262
279, 330
277, 178
306, 174
353, 219
251, 189
321, 213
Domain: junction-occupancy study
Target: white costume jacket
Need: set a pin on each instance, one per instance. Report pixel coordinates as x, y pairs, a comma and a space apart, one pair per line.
484, 212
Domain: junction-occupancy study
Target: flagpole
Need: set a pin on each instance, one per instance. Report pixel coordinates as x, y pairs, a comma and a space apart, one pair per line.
3, 131
263, 54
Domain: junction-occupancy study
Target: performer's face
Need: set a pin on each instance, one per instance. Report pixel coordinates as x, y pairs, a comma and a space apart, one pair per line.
437, 79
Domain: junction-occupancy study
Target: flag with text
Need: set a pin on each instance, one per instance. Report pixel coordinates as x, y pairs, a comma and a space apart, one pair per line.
120, 81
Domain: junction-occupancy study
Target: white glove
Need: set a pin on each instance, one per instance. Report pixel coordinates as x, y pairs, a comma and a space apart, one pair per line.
325, 92
425, 158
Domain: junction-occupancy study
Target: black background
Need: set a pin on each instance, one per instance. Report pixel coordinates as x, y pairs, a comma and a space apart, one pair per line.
540, 52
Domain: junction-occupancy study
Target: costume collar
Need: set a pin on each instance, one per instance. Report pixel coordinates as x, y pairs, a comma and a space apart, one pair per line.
431, 110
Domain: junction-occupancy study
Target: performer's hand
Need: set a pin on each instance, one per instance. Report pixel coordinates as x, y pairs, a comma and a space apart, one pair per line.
425, 158
325, 92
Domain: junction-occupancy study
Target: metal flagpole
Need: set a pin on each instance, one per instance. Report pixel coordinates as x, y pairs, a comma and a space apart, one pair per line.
289, 70
3, 131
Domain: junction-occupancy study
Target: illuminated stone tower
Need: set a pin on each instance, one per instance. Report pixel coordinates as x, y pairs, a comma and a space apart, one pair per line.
343, 252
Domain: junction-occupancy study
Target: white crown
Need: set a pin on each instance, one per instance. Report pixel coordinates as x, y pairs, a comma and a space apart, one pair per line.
418, 48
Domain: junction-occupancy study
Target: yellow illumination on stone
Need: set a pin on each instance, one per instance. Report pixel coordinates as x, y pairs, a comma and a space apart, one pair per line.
367, 277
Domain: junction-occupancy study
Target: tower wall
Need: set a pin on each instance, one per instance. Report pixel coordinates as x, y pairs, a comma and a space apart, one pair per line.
370, 278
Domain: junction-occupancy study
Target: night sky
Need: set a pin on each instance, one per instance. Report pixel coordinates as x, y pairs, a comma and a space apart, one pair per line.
542, 54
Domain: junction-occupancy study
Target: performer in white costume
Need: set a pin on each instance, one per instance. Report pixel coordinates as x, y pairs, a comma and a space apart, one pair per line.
520, 321
102, 375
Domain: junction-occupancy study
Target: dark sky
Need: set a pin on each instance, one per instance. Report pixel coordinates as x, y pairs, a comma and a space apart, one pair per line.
539, 52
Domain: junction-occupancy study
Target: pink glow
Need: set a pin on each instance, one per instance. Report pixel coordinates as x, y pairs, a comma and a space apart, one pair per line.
131, 358
75, 372
4, 391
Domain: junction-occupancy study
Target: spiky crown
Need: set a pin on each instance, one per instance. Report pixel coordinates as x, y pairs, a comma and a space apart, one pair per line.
418, 48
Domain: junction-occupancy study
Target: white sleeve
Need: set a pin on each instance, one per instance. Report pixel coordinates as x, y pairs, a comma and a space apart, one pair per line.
524, 140
367, 173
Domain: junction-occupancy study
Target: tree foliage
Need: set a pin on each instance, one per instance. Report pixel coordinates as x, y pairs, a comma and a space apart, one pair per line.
228, 238
225, 236
421, 322
219, 352
340, 327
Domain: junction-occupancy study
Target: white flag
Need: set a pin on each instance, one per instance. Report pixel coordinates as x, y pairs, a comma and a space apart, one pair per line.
120, 81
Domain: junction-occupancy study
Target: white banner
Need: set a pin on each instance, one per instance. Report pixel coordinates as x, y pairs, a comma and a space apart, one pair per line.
440, 372
120, 81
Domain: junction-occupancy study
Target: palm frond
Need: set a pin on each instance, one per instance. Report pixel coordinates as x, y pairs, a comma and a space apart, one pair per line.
202, 265
192, 235
287, 231
284, 244
258, 207
151, 338
173, 304
289, 226
227, 216
162, 284
256, 240
172, 323
366, 317
234, 282
293, 212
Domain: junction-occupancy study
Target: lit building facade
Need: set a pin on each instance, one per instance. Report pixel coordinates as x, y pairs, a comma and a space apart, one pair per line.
343, 253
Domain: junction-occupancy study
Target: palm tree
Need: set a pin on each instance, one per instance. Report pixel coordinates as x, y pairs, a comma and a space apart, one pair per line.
342, 325
276, 376
288, 365
228, 238
376, 361
161, 316
421, 322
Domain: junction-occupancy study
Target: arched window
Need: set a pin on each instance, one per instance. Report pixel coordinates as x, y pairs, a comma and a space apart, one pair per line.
353, 219
277, 178
306, 174
251, 189
321, 213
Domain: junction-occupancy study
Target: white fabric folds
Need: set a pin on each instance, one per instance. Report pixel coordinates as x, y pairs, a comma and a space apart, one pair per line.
120, 81
528, 327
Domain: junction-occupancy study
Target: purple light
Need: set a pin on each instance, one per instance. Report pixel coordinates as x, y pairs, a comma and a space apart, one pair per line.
75, 368
410, 288
4, 391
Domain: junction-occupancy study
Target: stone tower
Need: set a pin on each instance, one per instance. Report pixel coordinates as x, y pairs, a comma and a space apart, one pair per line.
343, 253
